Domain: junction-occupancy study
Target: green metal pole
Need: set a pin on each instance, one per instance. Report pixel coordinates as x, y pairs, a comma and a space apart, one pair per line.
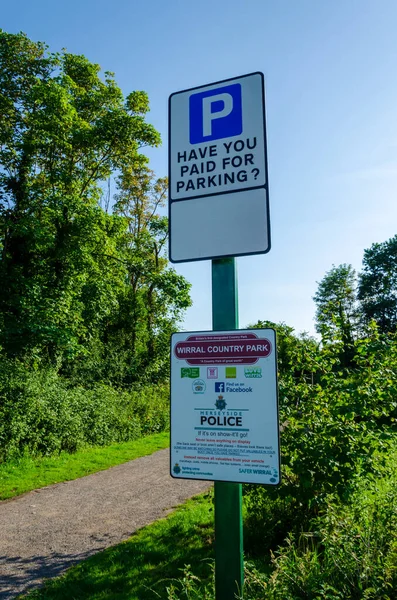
229, 568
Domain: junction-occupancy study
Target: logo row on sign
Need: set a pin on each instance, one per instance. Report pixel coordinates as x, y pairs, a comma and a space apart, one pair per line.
215, 372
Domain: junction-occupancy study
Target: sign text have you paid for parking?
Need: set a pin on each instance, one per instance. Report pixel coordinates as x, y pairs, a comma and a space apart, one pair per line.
218, 188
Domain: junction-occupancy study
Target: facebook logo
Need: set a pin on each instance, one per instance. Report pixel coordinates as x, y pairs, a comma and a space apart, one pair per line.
216, 114
219, 386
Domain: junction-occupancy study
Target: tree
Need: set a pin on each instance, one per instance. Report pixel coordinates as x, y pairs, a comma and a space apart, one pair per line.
156, 294
336, 314
63, 131
296, 353
377, 290
132, 343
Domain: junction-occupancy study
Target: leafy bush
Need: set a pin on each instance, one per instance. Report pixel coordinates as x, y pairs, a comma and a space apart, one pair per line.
41, 415
350, 552
337, 424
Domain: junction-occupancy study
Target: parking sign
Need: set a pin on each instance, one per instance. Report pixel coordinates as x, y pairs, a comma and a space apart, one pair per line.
218, 186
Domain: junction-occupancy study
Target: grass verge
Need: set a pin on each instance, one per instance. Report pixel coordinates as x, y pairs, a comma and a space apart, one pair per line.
26, 474
142, 568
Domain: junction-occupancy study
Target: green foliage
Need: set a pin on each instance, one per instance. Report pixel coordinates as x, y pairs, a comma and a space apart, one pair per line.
40, 414
350, 551
188, 586
337, 315
377, 290
334, 426
335, 300
155, 298
82, 289
64, 130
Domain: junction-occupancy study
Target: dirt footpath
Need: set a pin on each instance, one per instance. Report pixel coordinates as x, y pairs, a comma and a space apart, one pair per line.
46, 531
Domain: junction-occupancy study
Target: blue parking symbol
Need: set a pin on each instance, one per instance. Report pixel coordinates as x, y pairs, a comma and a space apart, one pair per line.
215, 114
219, 387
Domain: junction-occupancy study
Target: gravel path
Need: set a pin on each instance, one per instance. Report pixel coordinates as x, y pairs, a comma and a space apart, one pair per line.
46, 531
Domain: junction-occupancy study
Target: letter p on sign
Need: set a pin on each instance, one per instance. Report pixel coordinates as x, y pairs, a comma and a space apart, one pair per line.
215, 114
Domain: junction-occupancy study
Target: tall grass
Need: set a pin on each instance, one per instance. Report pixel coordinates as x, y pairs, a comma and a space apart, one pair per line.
349, 552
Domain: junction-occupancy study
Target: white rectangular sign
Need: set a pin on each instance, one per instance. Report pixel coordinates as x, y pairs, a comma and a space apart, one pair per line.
218, 192
224, 408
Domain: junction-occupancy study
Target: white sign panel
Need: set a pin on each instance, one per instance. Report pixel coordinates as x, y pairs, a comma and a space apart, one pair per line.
224, 409
218, 190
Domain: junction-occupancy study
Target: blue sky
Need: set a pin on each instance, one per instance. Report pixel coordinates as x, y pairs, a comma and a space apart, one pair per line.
331, 93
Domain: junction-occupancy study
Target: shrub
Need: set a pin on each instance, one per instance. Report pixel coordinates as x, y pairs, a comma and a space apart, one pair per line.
336, 426
41, 415
350, 552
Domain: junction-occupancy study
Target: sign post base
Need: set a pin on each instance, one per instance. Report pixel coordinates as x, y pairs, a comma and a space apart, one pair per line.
229, 567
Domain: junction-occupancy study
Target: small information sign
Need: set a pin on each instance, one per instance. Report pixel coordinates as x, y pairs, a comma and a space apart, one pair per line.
224, 408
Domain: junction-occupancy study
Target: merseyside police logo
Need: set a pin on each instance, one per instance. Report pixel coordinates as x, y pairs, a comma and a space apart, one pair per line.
220, 403
176, 469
